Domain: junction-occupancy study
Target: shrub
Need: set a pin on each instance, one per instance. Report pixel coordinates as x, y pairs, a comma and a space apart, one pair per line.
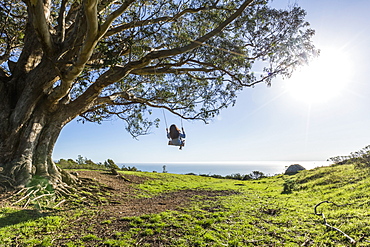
79, 163
289, 186
363, 164
110, 164
129, 168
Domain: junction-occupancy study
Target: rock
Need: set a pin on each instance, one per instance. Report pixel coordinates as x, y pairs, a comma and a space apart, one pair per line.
294, 169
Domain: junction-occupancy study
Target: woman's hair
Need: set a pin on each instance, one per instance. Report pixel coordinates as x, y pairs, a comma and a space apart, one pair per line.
174, 132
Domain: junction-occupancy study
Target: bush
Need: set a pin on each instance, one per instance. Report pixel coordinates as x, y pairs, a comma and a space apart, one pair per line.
129, 168
361, 158
257, 175
79, 163
191, 173
362, 164
110, 164
235, 176
289, 186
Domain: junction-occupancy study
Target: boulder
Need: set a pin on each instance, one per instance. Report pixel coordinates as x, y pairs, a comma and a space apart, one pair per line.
294, 169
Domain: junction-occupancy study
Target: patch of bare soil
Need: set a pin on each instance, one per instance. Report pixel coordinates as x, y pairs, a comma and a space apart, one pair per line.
122, 203
105, 197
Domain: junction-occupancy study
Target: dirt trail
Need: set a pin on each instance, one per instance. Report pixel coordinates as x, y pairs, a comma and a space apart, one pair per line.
121, 201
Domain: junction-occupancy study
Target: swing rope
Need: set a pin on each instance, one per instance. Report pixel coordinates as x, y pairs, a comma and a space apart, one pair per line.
181, 120
165, 120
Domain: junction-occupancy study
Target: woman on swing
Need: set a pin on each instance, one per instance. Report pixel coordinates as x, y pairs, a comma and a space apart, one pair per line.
175, 135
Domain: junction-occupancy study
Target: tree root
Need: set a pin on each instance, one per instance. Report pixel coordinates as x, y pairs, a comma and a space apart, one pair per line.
38, 195
44, 195
6, 183
48, 194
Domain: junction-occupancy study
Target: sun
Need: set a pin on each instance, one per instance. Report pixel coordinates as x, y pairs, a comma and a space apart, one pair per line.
325, 78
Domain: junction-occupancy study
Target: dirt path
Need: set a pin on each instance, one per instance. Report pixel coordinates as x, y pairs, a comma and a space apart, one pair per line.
104, 202
123, 204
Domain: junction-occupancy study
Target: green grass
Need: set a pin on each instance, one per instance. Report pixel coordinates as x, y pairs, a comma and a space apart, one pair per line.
167, 182
259, 215
24, 227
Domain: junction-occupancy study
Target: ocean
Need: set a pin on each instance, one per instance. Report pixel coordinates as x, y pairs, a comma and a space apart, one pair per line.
224, 168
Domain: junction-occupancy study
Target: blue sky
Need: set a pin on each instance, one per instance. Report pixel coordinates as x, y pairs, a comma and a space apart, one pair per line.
275, 123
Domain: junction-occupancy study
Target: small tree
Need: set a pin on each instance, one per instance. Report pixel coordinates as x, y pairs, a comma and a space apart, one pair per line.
81, 160
110, 164
257, 175
289, 186
164, 169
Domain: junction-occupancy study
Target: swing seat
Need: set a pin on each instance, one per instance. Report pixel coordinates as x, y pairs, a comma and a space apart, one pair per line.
179, 145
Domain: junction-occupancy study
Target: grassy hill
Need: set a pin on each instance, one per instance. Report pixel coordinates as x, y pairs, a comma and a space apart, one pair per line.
162, 209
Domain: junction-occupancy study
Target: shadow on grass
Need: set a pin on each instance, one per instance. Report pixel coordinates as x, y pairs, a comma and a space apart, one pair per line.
13, 218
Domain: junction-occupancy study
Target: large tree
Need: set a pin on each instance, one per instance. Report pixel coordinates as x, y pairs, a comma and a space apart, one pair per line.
97, 59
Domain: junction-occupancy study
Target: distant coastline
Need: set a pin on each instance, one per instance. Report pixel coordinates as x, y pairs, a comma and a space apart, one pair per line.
223, 168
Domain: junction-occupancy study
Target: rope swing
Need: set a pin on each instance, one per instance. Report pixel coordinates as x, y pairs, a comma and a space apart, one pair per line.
165, 119
175, 136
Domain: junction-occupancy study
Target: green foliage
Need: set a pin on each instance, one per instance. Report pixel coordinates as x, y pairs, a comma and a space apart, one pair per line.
360, 158
129, 168
84, 163
236, 176
289, 186
67, 164
257, 175
110, 164
13, 37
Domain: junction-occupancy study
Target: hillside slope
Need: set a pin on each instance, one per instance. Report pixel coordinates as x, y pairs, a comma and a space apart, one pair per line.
161, 209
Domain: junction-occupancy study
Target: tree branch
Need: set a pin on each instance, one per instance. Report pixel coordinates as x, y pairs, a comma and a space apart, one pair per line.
168, 70
116, 73
111, 98
40, 24
62, 21
201, 40
104, 27
330, 226
104, 4
156, 20
220, 69
136, 100
91, 39
121, 72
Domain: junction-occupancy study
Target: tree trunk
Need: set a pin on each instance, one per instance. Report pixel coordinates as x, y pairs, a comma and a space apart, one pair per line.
29, 128
27, 153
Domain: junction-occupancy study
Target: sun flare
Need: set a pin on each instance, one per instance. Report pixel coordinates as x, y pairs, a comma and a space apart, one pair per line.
323, 79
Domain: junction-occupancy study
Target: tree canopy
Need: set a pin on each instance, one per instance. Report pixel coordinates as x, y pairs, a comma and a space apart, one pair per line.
121, 58
98, 59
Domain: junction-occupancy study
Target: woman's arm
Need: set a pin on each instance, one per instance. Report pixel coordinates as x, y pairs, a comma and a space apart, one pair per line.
168, 134
183, 135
